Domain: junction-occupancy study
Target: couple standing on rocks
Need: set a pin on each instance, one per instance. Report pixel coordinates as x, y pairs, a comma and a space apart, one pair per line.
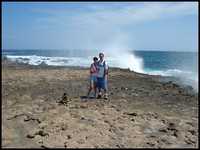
99, 77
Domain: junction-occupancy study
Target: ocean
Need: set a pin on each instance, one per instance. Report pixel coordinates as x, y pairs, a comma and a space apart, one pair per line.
183, 65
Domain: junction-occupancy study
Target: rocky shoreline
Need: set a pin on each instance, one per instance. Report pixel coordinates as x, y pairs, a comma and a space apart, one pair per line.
142, 110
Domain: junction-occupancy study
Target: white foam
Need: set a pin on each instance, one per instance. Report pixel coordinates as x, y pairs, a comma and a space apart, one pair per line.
53, 61
116, 61
186, 77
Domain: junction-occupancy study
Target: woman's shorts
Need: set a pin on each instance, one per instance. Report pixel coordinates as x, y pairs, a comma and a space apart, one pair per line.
93, 79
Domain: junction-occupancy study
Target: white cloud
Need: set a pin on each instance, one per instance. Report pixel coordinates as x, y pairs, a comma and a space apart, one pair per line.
96, 24
126, 14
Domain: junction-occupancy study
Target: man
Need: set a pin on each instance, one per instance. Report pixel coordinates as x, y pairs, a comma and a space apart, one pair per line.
102, 76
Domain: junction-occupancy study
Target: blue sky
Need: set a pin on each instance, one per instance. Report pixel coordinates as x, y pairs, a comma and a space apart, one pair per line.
98, 25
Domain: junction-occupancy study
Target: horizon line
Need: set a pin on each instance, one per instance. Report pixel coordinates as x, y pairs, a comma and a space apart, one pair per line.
96, 49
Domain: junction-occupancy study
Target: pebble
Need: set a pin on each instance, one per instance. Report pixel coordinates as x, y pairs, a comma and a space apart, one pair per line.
30, 136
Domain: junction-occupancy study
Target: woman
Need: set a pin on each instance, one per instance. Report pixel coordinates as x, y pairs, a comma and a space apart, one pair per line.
93, 76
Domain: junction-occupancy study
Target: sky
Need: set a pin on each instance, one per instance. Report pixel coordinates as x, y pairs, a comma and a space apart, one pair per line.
164, 26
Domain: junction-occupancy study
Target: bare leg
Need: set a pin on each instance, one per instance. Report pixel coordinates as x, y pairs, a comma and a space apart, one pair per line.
105, 89
95, 90
89, 92
99, 94
90, 89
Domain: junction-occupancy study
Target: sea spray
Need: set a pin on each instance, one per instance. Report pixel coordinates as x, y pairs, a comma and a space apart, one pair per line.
183, 77
126, 59
123, 56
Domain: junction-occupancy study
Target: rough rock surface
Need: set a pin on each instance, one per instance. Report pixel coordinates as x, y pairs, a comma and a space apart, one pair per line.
141, 112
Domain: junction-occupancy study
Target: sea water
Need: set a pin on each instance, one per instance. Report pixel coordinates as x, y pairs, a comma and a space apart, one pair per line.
183, 65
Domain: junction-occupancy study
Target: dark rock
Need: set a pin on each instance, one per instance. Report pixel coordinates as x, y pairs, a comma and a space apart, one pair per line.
106, 121
190, 140
152, 115
43, 64
117, 109
43, 146
28, 118
83, 106
123, 88
163, 121
189, 123
132, 119
132, 114
42, 133
30, 136
81, 141
150, 144
64, 99
163, 130
65, 144
170, 84
4, 58
82, 118
103, 113
189, 88
193, 132
69, 136
171, 126
151, 136
121, 128
120, 145
40, 142
134, 94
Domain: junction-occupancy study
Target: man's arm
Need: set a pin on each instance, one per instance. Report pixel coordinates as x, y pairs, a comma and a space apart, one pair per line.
106, 69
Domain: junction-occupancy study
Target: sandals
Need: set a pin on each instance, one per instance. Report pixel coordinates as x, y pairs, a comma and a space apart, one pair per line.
99, 96
106, 96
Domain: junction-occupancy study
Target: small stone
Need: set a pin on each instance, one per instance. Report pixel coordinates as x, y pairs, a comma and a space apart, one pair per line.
42, 133
121, 128
150, 144
43, 146
171, 126
193, 132
122, 88
64, 127
81, 141
69, 137
82, 118
65, 144
103, 113
83, 106
132, 114
106, 121
134, 94
119, 145
163, 130
30, 136
132, 119
27, 118
117, 109
40, 141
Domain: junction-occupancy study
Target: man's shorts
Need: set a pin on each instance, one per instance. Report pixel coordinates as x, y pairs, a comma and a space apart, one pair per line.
101, 83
